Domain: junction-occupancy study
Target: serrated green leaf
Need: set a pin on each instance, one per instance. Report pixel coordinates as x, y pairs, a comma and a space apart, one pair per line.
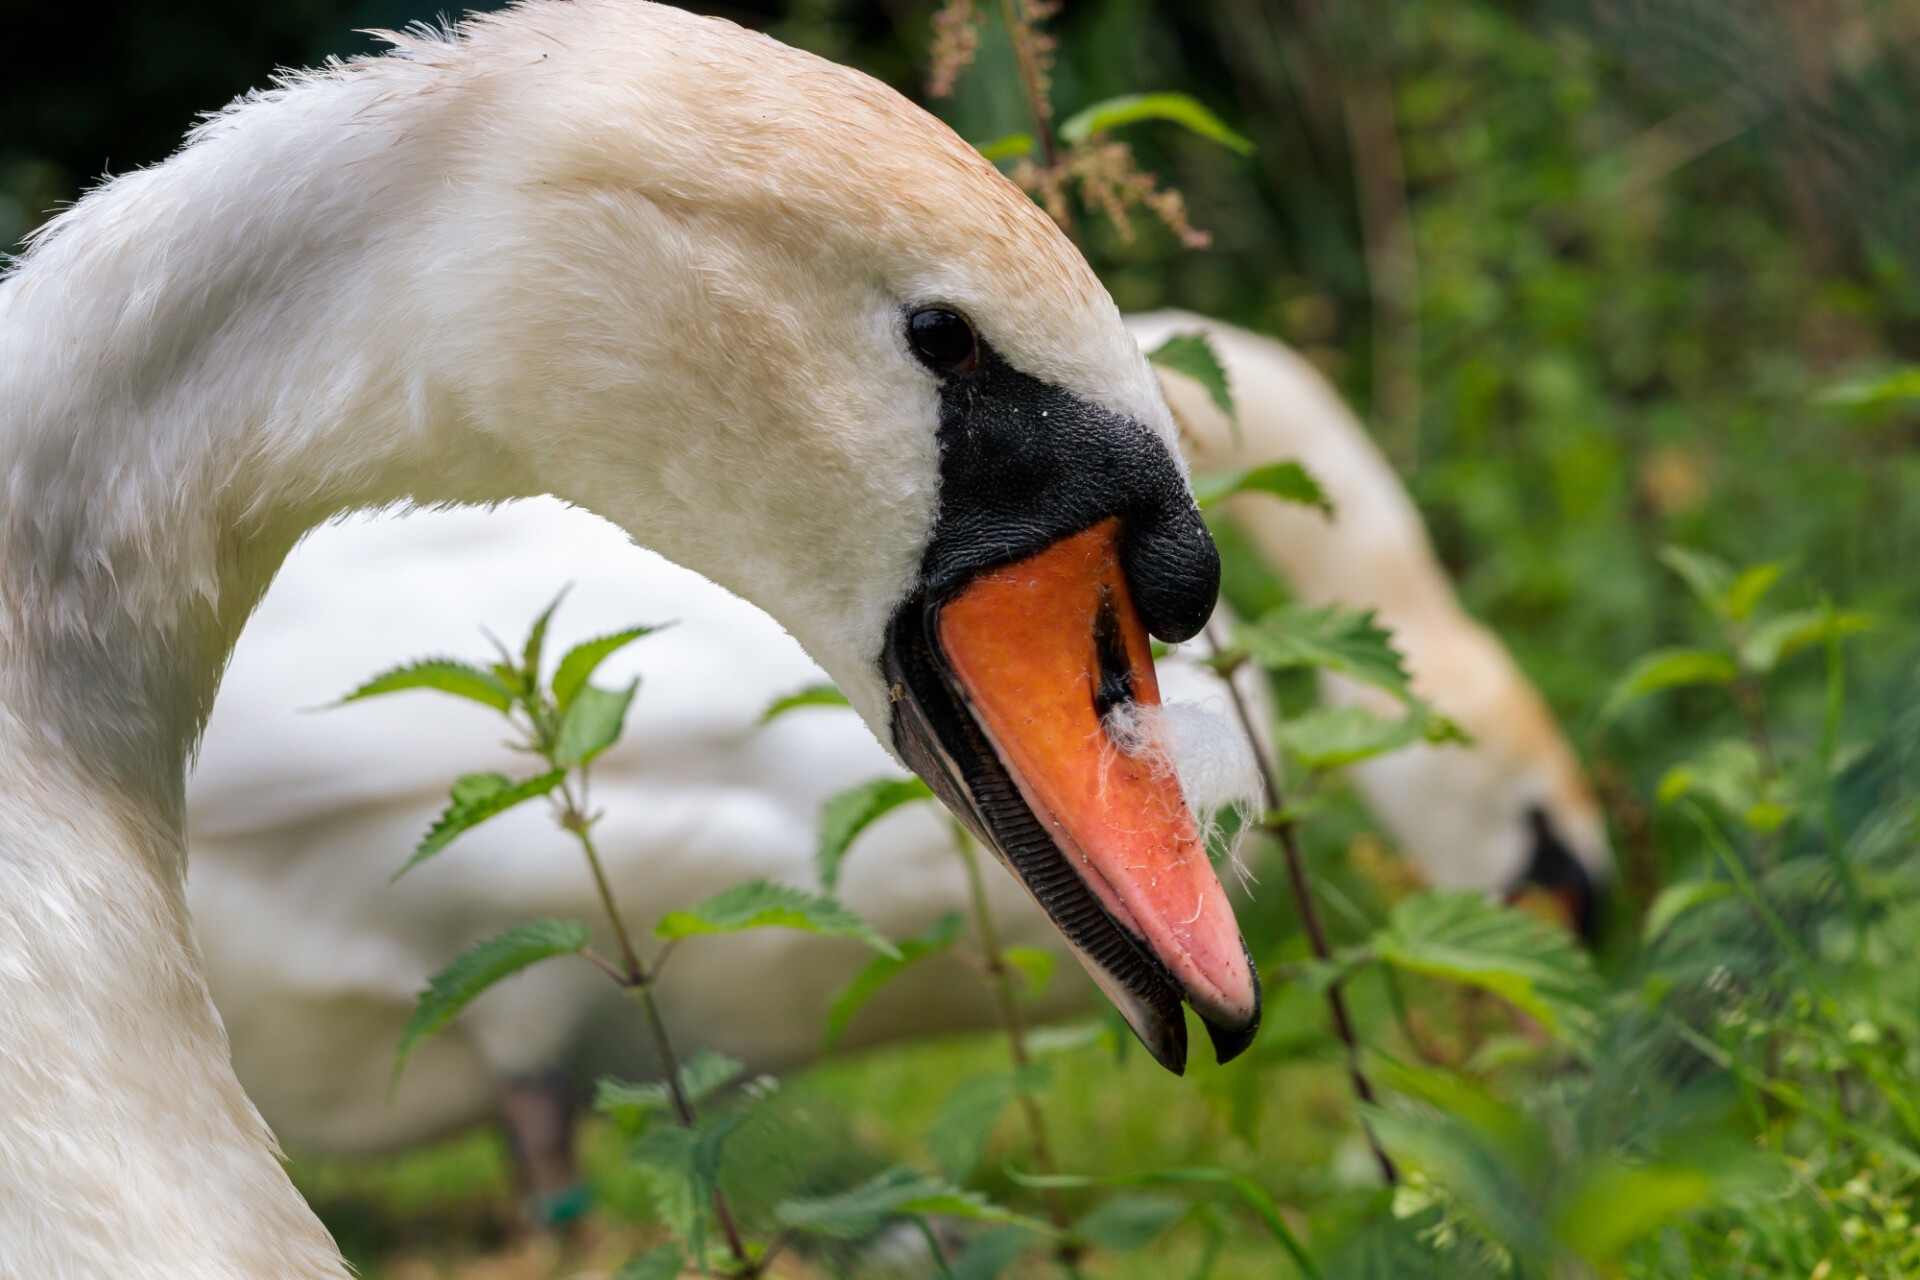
1774, 641
592, 723
1130, 108
479, 967
1728, 772
1288, 481
1668, 669
1330, 737
1123, 1224
1192, 354
475, 798
883, 969
684, 1167
443, 675
1011, 147
958, 1135
1708, 576
662, 1262
631, 1106
1747, 590
1888, 387
759, 904
1333, 637
857, 1214
581, 661
532, 652
1524, 960
1035, 966
824, 694
846, 815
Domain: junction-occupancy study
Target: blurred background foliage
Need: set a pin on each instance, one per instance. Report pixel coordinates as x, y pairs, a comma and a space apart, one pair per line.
1586, 268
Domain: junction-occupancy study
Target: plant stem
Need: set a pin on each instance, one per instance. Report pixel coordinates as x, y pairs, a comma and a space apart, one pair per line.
1282, 828
637, 982
1002, 982
1020, 35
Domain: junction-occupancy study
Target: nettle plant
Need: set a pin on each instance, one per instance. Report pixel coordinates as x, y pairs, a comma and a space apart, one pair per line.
564, 722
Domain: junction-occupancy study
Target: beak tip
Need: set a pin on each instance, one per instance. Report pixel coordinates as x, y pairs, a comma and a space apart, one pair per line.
1230, 1040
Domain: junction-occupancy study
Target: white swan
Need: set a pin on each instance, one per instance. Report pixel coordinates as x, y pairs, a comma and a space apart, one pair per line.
297, 821
755, 308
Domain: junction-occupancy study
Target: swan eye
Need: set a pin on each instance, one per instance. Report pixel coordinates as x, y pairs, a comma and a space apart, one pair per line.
943, 339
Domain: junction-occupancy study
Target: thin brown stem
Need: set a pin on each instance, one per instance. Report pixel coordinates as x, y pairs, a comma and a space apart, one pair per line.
1282, 828
577, 822
1020, 33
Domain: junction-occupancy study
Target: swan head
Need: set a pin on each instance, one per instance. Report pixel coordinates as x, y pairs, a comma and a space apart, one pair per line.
789, 330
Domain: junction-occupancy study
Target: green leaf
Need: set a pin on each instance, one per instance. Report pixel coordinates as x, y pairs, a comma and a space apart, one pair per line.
1708, 576
442, 674
1524, 960
1011, 147
1288, 481
662, 1262
1748, 589
857, 1214
990, 1253
479, 967
1779, 638
684, 1167
477, 797
1728, 772
1668, 669
532, 651
846, 815
592, 723
571, 676
824, 694
958, 1135
1192, 354
1676, 900
1034, 964
1129, 108
1123, 1224
1888, 387
882, 969
758, 904
1329, 737
1617, 1204
631, 1106
1331, 636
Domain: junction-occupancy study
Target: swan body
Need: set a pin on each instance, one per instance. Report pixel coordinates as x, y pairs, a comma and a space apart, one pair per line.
668, 271
297, 820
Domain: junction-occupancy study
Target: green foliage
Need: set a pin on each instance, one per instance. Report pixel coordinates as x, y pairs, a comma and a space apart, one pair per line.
633, 1106
1894, 386
1130, 108
1192, 355
759, 904
1011, 147
683, 1167
581, 661
1526, 961
1332, 637
1329, 737
662, 1262
846, 815
477, 797
883, 968
859, 1213
480, 967
958, 1136
814, 695
592, 723
1127, 1223
1033, 964
1669, 669
444, 675
1288, 481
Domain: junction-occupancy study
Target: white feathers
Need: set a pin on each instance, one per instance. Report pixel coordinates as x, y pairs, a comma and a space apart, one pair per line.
1209, 755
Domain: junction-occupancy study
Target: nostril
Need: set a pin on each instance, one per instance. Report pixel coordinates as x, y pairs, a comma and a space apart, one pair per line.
1114, 685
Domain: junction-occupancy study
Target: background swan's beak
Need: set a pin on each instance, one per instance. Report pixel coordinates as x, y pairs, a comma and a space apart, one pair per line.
1051, 736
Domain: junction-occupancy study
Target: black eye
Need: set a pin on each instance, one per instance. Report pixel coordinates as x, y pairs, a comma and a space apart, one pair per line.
943, 339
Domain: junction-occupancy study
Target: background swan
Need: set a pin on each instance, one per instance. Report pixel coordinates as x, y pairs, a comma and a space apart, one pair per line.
298, 820
668, 270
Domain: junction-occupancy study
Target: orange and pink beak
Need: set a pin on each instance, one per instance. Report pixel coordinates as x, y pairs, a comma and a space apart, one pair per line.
1021, 699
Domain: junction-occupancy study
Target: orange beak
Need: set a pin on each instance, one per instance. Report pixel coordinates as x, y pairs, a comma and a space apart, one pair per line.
1052, 677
